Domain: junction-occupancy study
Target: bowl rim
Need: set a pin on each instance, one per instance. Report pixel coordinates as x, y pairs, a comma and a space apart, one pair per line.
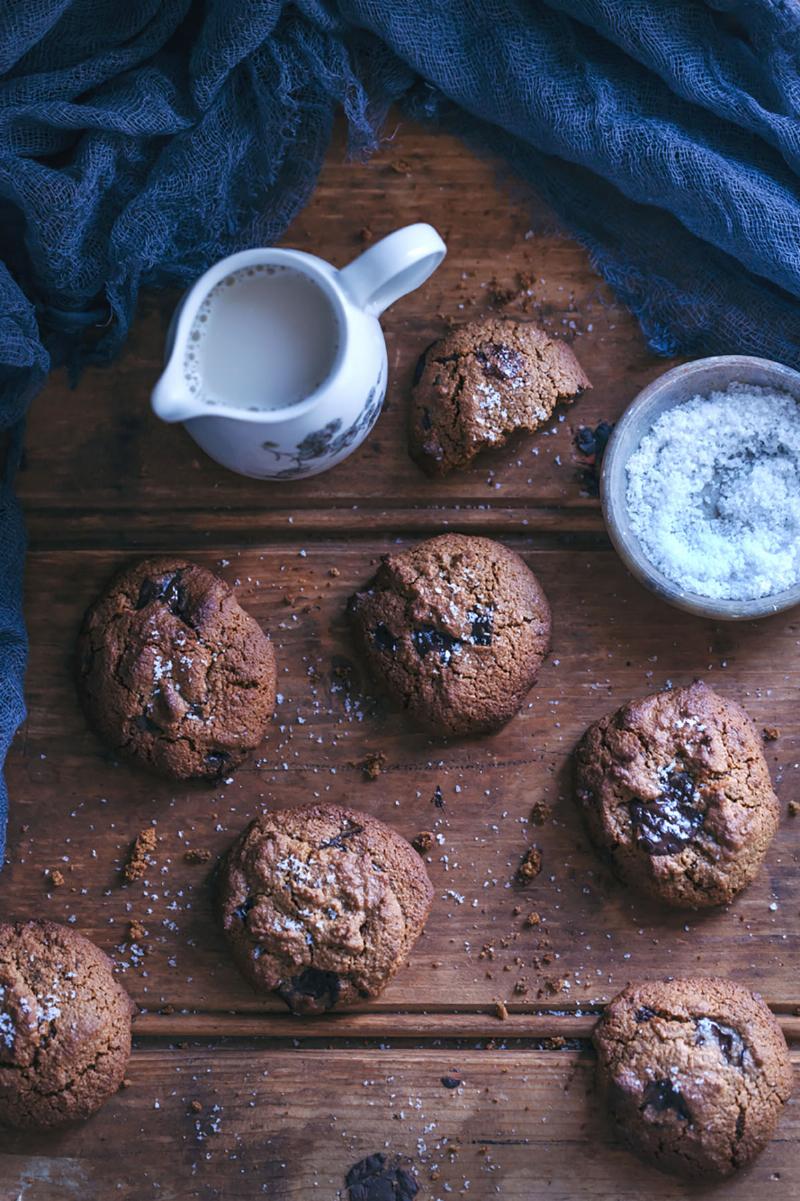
613, 499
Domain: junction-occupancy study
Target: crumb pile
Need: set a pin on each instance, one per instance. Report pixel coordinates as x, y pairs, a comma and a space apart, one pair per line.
714, 493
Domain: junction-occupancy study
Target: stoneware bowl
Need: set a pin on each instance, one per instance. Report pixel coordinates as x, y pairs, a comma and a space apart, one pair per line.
673, 388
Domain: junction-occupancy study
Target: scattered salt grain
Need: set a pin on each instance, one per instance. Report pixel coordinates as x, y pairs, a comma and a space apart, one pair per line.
714, 493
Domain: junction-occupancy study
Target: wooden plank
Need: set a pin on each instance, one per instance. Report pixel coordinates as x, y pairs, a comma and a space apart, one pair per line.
522, 1022
523, 1126
75, 809
242, 528
102, 470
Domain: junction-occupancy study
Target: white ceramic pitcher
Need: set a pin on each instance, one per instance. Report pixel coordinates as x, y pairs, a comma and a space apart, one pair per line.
310, 435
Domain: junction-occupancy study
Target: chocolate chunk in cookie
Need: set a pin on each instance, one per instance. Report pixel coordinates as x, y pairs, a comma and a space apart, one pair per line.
65, 1025
481, 383
378, 1178
322, 905
675, 788
455, 628
311, 990
173, 672
696, 1073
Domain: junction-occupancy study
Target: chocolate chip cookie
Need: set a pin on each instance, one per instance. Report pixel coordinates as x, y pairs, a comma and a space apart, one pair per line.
322, 905
455, 628
65, 1025
695, 1072
173, 672
675, 788
481, 383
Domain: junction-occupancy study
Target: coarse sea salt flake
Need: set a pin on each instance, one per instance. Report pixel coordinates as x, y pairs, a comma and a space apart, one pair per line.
713, 493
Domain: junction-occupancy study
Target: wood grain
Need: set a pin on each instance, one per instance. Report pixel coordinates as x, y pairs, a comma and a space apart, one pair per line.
611, 641
288, 1125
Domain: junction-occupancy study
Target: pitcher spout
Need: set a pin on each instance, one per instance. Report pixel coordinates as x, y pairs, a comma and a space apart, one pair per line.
171, 399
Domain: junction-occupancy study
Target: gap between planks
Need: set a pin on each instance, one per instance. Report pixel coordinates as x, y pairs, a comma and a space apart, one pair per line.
444, 1025
234, 529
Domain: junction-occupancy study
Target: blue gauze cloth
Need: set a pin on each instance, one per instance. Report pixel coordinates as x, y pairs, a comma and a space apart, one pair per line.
140, 141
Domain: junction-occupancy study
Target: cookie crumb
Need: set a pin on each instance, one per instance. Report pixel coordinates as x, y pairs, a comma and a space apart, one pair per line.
136, 931
334, 573
196, 1106
500, 1010
552, 987
54, 877
499, 296
139, 859
423, 842
794, 808
540, 812
770, 733
533, 919
372, 765
531, 865
197, 855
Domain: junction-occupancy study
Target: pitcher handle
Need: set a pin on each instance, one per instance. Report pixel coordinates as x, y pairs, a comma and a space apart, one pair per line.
392, 267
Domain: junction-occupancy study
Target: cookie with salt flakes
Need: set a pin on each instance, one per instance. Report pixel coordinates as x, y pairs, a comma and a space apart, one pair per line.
675, 789
173, 672
455, 629
483, 382
695, 1072
65, 1025
321, 905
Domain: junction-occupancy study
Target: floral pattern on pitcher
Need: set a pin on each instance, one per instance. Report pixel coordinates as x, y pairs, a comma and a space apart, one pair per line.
329, 441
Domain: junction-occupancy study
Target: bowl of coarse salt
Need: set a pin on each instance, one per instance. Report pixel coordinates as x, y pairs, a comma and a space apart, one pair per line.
700, 487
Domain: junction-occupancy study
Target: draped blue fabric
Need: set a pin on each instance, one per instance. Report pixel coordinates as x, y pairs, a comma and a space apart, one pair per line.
139, 141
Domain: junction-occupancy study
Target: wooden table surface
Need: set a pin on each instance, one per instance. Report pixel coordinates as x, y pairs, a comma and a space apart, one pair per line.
287, 1106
